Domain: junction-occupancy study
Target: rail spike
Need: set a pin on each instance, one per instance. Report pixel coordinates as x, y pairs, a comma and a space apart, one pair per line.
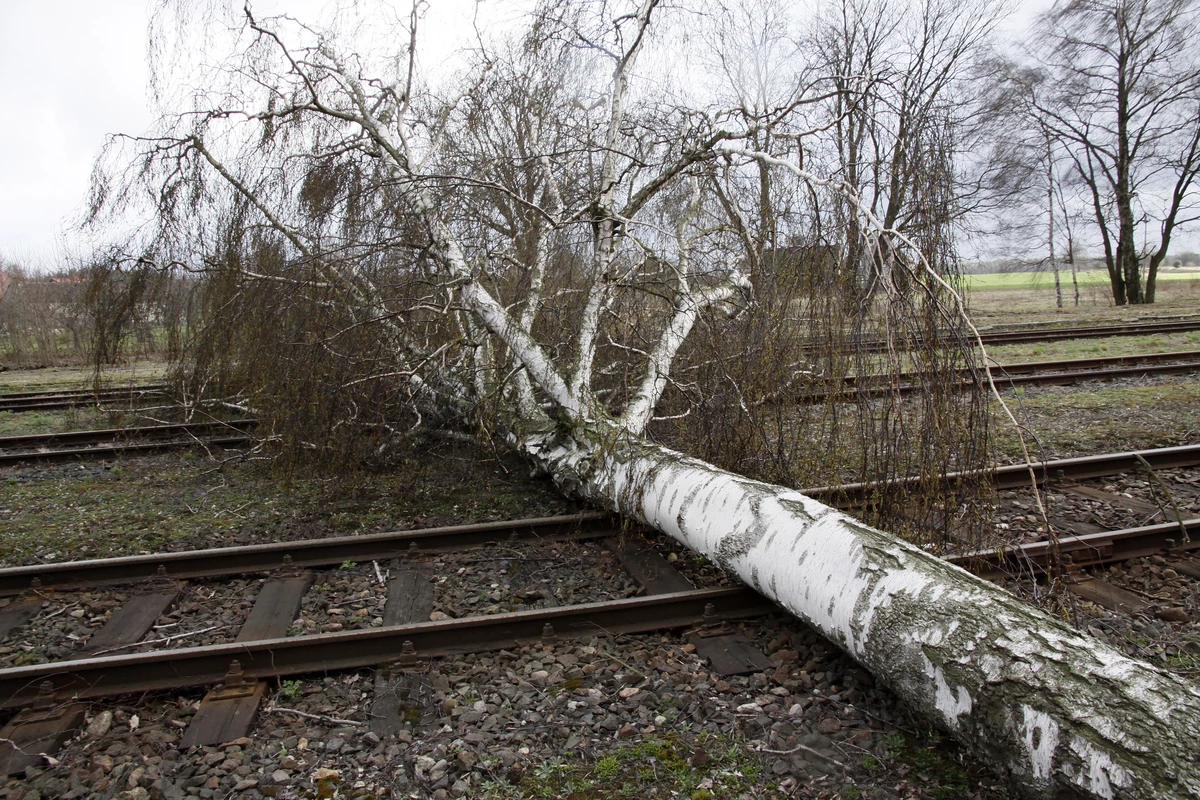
45, 697
287, 567
235, 678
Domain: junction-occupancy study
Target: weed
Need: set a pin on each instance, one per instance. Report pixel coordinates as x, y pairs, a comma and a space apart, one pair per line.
550, 769
289, 689
348, 564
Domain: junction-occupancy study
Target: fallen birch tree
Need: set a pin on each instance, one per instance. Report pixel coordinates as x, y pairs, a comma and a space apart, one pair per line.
532, 254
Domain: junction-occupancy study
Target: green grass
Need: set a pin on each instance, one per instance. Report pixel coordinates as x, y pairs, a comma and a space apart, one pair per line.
1045, 279
186, 501
1109, 419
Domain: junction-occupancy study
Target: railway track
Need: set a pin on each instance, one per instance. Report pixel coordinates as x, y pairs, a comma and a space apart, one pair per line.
77, 398
49, 698
1036, 373
107, 443
1060, 333
996, 337
264, 648
857, 495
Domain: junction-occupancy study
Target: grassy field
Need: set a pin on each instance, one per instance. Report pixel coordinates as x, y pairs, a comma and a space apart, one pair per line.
1045, 280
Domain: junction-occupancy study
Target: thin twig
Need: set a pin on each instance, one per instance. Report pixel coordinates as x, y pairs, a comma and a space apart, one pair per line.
318, 717
164, 640
800, 748
1169, 494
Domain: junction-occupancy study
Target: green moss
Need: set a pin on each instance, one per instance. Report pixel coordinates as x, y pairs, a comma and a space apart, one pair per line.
607, 768
657, 767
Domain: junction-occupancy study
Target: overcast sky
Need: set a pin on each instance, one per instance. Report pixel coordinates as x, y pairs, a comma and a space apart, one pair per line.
72, 72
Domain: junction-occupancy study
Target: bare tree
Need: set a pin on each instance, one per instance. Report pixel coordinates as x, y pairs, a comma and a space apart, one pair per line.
904, 76
1120, 90
540, 267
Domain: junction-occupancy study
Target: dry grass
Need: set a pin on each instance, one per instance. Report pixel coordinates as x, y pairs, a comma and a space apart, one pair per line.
53, 378
1062, 422
185, 501
1008, 306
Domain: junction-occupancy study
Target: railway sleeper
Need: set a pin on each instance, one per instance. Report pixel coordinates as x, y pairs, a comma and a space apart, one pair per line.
228, 711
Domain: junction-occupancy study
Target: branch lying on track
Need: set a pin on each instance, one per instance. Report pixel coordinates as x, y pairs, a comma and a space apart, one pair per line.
164, 640
1166, 491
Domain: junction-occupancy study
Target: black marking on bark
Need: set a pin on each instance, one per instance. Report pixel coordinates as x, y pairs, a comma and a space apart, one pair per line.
797, 509
688, 500
735, 545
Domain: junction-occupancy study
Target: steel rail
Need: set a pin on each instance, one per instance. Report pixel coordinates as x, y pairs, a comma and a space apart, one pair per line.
118, 434
54, 394
271, 658
114, 441
1087, 550
1061, 365
304, 553
1000, 337
1015, 476
34, 401
1061, 373
1023, 367
114, 450
1089, 331
1051, 378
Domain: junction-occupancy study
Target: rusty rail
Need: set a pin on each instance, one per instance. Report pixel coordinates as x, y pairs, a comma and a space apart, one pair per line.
269, 658
1016, 476
304, 553
105, 443
75, 398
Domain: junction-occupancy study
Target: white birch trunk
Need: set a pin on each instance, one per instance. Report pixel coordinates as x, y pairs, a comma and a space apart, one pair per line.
1059, 713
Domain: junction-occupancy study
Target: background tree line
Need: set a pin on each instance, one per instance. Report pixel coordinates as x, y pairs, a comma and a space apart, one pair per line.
77, 316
